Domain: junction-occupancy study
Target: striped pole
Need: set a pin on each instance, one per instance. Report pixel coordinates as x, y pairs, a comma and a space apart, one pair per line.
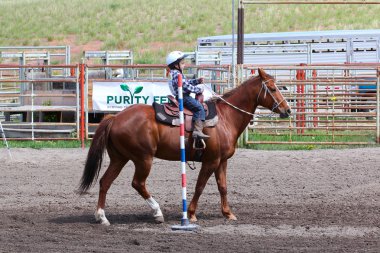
184, 221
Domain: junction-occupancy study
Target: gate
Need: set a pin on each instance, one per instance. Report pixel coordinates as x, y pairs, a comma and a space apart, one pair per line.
39, 102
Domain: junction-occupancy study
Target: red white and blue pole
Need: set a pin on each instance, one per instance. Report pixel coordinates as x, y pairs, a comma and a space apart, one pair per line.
184, 221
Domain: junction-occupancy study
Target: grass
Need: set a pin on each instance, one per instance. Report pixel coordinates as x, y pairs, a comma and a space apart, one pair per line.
311, 136
152, 28
301, 147
46, 144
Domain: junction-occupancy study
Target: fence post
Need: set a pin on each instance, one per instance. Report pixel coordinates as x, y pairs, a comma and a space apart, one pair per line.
72, 72
239, 80
81, 83
299, 105
303, 116
315, 121
378, 107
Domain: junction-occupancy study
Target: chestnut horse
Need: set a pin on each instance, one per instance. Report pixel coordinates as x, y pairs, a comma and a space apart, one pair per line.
135, 135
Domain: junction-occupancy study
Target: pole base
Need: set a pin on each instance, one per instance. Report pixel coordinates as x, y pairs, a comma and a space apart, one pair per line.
189, 227
185, 226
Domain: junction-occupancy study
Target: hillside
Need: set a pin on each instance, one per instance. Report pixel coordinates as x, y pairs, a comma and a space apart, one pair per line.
151, 28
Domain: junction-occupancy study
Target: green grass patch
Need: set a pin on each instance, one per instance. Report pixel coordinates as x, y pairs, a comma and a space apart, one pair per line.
46, 144
310, 136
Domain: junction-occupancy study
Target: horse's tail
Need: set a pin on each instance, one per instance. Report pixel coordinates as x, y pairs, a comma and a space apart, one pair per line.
95, 154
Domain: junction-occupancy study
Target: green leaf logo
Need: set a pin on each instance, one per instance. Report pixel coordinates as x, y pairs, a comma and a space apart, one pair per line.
124, 87
138, 90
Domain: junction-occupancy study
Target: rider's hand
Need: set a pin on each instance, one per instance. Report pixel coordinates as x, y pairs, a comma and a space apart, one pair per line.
200, 80
201, 89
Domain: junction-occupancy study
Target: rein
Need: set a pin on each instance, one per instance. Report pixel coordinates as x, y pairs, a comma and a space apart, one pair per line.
233, 106
263, 86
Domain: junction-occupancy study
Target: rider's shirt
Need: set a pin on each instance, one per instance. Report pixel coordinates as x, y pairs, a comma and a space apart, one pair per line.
188, 86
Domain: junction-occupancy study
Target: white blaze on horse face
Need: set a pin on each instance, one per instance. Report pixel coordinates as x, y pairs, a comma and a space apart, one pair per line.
100, 215
155, 207
279, 100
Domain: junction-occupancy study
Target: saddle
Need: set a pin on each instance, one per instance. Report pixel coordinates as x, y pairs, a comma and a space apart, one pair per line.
168, 113
172, 108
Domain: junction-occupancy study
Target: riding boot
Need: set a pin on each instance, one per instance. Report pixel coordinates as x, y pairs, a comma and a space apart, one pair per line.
198, 128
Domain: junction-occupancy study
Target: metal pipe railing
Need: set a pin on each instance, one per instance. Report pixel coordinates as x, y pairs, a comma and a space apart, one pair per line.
330, 110
329, 103
25, 96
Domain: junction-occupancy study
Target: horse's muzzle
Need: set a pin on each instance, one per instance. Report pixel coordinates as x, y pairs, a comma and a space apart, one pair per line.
286, 114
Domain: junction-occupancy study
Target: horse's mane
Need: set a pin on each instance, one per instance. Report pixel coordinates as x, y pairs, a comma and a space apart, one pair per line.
233, 91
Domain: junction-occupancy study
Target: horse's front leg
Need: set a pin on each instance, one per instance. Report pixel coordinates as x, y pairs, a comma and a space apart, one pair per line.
221, 180
204, 175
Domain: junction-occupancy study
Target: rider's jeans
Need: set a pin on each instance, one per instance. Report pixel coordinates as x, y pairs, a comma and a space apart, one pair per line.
195, 106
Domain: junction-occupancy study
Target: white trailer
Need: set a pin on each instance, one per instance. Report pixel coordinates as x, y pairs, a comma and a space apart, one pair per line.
288, 48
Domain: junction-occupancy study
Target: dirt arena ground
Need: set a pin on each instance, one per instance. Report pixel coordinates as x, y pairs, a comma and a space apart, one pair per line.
285, 201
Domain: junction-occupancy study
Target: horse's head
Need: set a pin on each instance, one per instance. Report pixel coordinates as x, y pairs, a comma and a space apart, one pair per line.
271, 97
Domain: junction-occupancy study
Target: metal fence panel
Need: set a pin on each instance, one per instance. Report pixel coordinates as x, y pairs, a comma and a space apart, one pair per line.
331, 105
39, 102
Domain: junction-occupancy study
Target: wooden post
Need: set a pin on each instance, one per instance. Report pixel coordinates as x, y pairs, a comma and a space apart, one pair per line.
240, 39
81, 83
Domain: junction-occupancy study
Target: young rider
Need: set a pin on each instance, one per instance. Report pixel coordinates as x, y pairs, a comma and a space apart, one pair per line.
176, 63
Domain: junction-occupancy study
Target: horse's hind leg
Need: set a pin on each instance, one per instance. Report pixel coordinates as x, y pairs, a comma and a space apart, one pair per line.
142, 171
105, 183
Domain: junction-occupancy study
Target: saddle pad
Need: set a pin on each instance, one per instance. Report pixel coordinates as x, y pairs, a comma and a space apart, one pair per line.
163, 117
211, 110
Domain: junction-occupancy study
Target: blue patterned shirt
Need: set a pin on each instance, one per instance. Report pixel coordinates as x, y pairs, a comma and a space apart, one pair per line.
188, 86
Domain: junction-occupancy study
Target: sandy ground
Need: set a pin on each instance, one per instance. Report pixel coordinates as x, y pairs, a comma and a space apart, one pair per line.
285, 201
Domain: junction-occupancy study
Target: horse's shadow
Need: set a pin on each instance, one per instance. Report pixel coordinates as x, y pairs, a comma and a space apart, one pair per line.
124, 219
113, 218
72, 219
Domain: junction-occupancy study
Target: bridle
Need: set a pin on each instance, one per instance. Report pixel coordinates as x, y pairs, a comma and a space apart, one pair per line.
265, 87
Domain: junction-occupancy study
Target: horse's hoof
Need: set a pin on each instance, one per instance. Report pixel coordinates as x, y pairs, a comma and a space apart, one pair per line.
100, 217
159, 219
231, 217
105, 223
193, 218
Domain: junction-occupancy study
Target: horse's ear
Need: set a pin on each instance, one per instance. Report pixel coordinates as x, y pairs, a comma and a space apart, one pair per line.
262, 73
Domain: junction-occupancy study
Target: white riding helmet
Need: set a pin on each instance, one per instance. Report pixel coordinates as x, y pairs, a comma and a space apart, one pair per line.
174, 56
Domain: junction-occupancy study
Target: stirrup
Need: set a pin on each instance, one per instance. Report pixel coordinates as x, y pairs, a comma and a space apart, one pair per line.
199, 140
200, 136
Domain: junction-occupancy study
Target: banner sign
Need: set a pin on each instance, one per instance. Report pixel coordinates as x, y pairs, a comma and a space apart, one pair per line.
115, 96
